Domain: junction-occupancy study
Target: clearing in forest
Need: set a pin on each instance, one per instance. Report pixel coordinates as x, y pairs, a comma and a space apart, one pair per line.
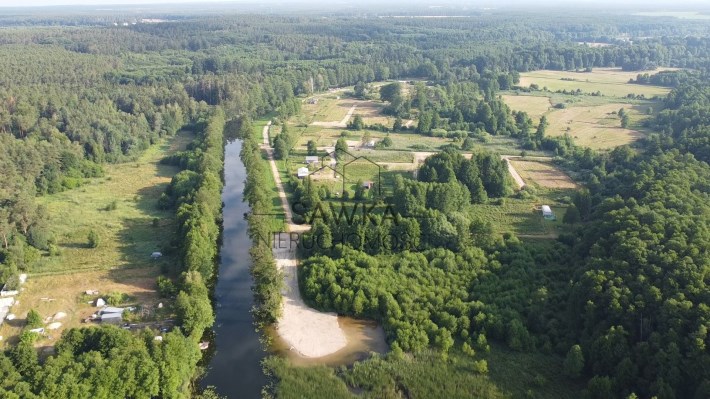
609, 81
121, 209
535, 106
596, 127
543, 174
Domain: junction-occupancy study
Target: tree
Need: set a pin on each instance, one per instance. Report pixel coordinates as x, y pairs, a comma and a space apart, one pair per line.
341, 148
357, 123
280, 148
386, 142
366, 138
397, 124
34, 320
572, 215
312, 148
574, 362
625, 121
360, 190
390, 91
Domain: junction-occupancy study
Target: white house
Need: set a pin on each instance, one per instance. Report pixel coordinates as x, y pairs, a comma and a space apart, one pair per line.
302, 173
312, 159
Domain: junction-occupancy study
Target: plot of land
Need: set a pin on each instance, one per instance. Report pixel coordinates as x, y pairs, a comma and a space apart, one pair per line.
64, 293
609, 81
596, 127
128, 235
544, 174
535, 106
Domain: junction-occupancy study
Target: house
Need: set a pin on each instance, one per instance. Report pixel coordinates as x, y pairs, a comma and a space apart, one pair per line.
302, 173
547, 213
368, 184
312, 159
112, 318
370, 144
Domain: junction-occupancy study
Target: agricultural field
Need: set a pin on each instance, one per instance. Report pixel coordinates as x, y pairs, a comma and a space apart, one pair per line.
543, 174
611, 82
121, 209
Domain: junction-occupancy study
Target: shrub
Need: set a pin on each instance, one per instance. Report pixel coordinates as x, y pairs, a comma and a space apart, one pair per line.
34, 320
94, 239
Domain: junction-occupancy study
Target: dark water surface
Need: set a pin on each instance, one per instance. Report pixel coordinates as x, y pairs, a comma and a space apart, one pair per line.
235, 368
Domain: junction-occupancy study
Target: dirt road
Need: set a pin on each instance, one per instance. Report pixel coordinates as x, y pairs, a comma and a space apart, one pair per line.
311, 333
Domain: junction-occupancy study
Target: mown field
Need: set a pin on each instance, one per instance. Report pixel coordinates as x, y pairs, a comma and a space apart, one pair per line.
609, 81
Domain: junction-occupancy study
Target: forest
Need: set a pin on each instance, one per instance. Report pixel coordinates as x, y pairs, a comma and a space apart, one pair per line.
621, 296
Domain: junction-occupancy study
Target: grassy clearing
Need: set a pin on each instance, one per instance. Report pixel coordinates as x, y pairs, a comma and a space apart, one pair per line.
64, 293
543, 174
609, 81
535, 106
597, 127
523, 217
128, 236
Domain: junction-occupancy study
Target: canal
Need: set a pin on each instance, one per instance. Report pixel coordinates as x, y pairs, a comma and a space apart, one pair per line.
235, 368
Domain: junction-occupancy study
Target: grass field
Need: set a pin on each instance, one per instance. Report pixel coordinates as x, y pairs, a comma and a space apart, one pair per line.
122, 262
535, 106
521, 217
544, 174
609, 81
596, 126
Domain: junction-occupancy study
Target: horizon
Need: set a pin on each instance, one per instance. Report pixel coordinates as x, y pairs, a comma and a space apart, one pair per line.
645, 4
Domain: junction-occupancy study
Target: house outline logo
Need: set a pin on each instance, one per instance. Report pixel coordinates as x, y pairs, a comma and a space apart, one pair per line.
330, 161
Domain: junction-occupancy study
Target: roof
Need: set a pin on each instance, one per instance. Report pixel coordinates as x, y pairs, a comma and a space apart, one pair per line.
302, 172
546, 209
111, 316
312, 158
110, 309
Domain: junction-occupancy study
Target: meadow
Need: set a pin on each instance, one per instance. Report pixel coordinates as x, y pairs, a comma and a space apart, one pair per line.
612, 82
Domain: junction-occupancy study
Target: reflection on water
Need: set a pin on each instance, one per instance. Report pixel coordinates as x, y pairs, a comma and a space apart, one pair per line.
363, 337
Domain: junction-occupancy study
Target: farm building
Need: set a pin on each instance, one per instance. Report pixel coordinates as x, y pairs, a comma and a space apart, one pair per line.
312, 159
547, 213
302, 172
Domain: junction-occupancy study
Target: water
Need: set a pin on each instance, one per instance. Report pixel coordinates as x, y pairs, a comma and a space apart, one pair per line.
235, 352
235, 368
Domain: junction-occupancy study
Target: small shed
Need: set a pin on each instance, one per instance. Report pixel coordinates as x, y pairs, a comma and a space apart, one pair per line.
547, 213
156, 255
368, 185
100, 302
110, 309
302, 173
312, 159
112, 318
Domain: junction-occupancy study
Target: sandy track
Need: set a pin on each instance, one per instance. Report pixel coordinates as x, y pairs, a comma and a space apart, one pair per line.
516, 176
343, 123
311, 333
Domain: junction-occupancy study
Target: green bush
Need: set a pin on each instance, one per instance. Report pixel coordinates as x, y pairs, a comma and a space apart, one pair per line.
94, 239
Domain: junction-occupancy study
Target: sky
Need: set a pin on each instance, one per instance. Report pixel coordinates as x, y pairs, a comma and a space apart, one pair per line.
631, 3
